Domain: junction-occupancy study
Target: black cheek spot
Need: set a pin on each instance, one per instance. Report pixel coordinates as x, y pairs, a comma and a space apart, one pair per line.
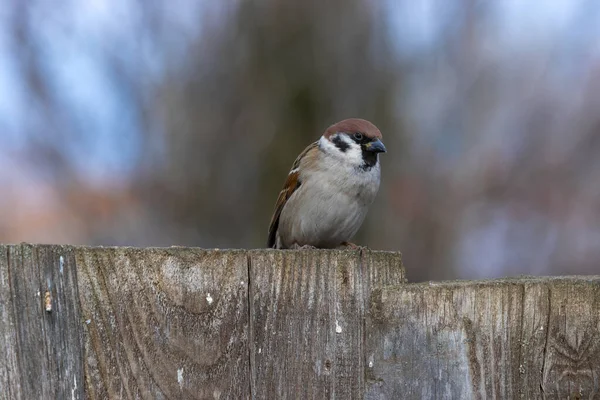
340, 144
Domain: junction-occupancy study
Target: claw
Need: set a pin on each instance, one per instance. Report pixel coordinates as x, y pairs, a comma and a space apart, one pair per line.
352, 246
296, 246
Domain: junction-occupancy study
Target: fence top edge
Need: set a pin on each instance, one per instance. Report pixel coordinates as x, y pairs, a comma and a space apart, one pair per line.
195, 248
450, 284
497, 282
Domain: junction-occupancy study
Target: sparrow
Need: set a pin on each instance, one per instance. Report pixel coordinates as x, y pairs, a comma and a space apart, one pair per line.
329, 189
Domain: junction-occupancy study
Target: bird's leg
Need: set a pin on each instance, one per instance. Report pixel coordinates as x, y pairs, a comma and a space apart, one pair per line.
352, 246
296, 246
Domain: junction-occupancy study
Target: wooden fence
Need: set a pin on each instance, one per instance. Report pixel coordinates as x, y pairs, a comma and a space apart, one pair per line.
177, 323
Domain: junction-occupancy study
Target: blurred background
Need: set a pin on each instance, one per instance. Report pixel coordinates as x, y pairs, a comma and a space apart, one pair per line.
155, 123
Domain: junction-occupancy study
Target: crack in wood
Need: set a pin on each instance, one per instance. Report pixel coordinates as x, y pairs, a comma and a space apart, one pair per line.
545, 348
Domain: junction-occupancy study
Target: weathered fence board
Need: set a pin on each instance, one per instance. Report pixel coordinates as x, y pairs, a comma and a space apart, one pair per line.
42, 337
182, 323
525, 338
10, 386
165, 323
308, 314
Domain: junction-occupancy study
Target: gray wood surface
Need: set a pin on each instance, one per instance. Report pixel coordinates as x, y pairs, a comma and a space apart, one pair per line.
40, 329
517, 338
308, 320
165, 323
179, 323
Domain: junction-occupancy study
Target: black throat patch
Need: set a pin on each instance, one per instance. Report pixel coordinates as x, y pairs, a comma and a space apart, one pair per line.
340, 143
370, 159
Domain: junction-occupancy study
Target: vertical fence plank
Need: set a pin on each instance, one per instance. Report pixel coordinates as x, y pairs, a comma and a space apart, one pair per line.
571, 367
521, 338
62, 325
165, 323
536, 309
10, 379
308, 311
28, 307
43, 293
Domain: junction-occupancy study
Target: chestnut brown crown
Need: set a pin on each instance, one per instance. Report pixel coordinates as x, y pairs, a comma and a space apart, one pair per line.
352, 125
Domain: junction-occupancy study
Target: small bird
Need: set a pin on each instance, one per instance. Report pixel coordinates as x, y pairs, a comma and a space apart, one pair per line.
329, 189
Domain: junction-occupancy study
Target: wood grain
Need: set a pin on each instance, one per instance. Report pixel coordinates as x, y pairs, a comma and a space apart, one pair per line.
165, 323
526, 338
41, 328
571, 363
179, 323
308, 314
10, 387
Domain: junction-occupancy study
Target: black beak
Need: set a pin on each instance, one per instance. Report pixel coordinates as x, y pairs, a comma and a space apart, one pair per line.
376, 146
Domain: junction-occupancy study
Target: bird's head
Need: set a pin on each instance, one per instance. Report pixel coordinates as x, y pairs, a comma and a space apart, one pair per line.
354, 141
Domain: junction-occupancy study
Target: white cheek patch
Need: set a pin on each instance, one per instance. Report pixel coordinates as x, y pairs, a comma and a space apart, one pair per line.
352, 155
327, 146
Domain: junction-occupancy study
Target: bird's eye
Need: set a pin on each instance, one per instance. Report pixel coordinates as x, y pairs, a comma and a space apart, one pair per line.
358, 136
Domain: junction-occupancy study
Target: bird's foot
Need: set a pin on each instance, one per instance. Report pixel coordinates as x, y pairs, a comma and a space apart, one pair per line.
296, 246
352, 246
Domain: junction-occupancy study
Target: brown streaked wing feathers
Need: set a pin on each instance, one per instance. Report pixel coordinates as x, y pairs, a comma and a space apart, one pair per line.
292, 183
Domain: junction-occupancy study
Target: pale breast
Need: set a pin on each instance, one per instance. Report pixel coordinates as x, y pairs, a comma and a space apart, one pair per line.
329, 207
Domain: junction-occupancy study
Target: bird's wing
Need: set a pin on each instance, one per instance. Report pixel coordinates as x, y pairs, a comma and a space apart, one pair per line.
292, 183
